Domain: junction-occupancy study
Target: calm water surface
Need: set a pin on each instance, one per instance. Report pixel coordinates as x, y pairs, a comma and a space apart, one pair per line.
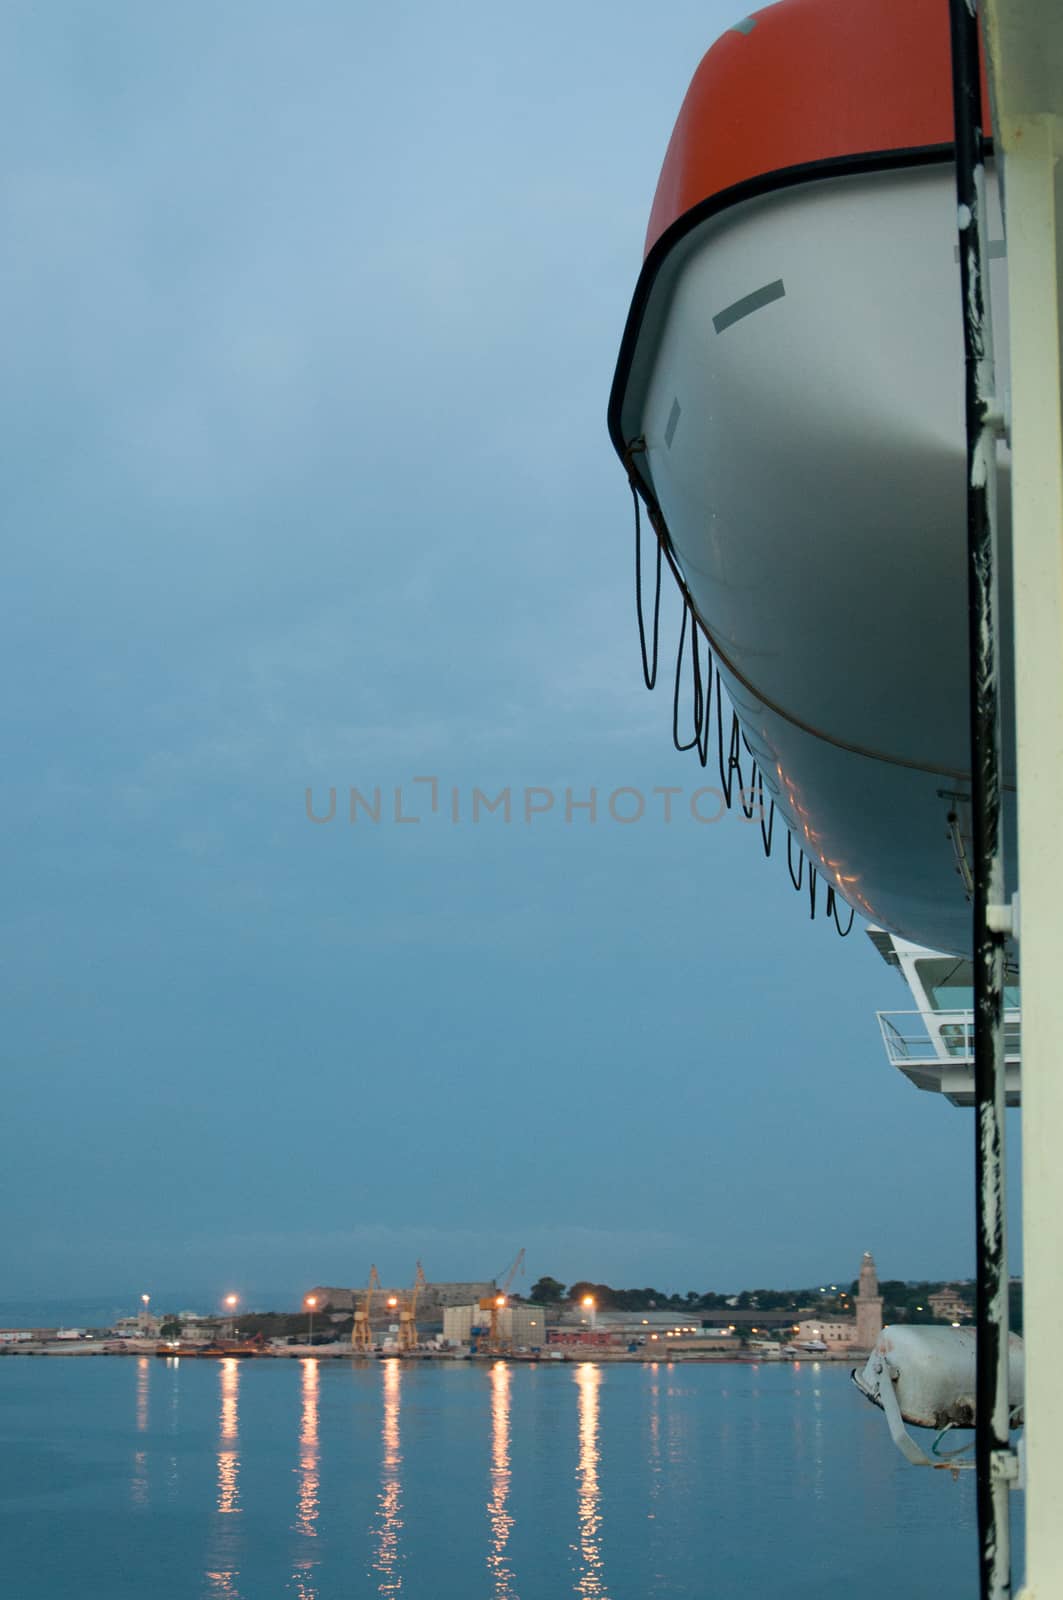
323, 1481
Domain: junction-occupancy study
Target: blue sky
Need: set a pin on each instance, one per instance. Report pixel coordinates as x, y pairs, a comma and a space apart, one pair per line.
310, 316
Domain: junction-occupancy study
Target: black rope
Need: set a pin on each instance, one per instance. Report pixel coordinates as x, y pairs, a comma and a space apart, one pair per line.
749, 792
705, 682
799, 880
734, 763
682, 744
700, 696
721, 765
649, 655
766, 835
832, 911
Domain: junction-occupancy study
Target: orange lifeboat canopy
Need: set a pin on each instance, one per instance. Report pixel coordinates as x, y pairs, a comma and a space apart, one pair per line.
806, 83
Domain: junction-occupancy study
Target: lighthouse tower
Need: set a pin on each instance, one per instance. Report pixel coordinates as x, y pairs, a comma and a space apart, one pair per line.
868, 1305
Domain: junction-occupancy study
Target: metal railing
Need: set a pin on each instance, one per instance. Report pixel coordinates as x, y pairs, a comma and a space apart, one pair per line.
935, 1036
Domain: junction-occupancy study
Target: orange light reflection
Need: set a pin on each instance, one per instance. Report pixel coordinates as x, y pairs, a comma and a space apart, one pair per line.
498, 1506
228, 1451
143, 1388
588, 1379
224, 1567
389, 1500
139, 1485
308, 1503
309, 1478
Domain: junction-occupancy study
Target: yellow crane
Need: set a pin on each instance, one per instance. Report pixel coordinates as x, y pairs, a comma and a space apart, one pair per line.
362, 1331
495, 1304
408, 1315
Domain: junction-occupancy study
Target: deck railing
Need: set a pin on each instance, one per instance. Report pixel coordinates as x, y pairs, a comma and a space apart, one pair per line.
931, 1036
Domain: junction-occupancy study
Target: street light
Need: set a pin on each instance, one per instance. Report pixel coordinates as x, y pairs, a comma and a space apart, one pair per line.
310, 1302
589, 1304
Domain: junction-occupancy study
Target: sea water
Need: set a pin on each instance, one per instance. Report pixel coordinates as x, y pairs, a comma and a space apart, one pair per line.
334, 1480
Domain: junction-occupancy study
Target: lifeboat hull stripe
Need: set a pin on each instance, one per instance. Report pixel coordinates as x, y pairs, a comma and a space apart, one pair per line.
748, 304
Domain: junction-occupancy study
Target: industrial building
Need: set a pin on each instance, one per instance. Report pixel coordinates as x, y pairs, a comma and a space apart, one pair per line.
519, 1327
433, 1298
630, 1329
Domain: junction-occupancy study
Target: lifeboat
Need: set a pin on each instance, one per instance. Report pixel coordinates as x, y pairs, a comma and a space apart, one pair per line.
789, 404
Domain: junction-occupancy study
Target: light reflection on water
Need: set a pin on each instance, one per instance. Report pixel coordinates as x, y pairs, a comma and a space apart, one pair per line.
139, 1485
276, 1480
224, 1569
498, 1512
172, 1365
228, 1450
654, 1450
588, 1377
308, 1504
817, 1430
389, 1500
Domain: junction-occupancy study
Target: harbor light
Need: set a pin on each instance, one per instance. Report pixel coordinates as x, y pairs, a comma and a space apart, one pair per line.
310, 1302
500, 1301
144, 1300
393, 1301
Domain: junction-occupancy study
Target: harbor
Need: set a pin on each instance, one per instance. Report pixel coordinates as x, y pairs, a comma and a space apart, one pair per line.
485, 1322
364, 918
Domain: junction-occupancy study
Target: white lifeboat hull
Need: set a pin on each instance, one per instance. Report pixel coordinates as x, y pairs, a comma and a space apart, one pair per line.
798, 382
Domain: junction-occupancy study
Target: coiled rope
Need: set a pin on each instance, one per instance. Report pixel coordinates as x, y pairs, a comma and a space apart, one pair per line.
705, 688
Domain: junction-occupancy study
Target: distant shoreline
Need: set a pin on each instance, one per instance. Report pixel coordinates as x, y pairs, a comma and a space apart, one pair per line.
573, 1357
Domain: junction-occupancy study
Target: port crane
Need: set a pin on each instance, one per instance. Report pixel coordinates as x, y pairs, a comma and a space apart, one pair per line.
408, 1315
362, 1332
495, 1304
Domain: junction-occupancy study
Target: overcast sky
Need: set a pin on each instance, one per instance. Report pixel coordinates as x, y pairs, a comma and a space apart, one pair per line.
309, 318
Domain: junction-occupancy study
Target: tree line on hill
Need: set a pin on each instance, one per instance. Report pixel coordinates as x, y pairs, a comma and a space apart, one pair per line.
901, 1301
549, 1291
